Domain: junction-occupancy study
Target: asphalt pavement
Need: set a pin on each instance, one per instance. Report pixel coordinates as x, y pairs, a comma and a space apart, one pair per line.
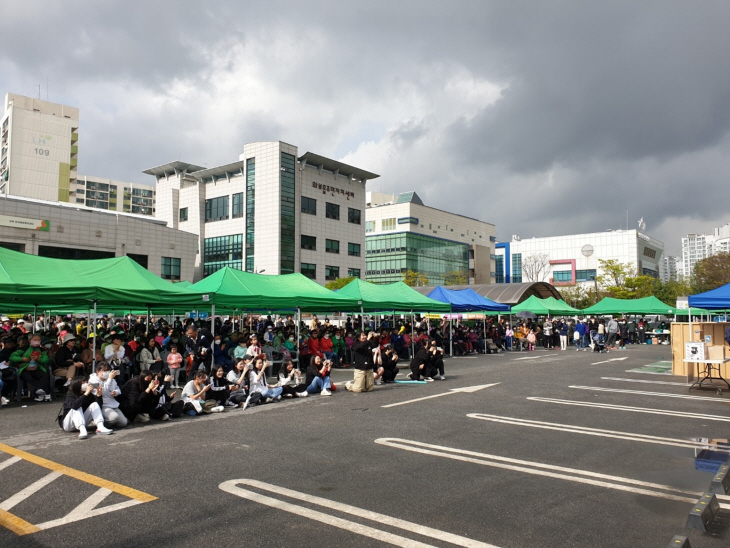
539, 449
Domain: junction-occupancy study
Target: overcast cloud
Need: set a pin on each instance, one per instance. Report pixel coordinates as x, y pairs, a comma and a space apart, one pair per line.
544, 118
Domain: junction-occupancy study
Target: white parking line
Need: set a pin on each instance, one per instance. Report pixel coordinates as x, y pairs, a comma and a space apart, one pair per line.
465, 389
642, 393
547, 470
646, 381
683, 414
233, 487
530, 357
629, 436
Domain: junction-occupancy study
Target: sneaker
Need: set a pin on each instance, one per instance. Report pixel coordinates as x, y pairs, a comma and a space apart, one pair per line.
442, 377
40, 392
217, 409
165, 417
83, 434
409, 376
428, 379
378, 382
229, 403
348, 386
302, 394
248, 400
326, 392
103, 430
4, 400
47, 397
68, 383
142, 417
39, 398
277, 399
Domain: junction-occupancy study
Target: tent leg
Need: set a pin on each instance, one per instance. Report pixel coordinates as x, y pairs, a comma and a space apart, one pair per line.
413, 344
212, 321
299, 321
35, 316
451, 335
147, 331
93, 359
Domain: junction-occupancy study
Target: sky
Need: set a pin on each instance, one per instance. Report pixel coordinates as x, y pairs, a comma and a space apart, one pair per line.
543, 118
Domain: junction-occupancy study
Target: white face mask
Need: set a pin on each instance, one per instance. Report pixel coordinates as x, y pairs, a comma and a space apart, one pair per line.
291, 338
217, 342
104, 375
84, 387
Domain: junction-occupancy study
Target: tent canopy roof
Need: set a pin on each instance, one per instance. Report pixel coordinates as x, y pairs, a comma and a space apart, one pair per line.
396, 296
463, 300
505, 293
647, 305
716, 299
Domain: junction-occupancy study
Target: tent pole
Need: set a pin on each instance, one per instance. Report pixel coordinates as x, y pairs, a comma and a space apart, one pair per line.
212, 320
35, 316
413, 344
362, 318
299, 321
93, 359
451, 335
88, 325
147, 330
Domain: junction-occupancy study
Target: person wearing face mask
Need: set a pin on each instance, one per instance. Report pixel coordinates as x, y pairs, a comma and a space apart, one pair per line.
81, 408
8, 374
149, 357
159, 338
241, 349
291, 346
31, 363
105, 376
338, 349
220, 354
326, 346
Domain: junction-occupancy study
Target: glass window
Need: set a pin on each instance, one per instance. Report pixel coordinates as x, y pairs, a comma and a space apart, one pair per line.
183, 214
563, 276
309, 270
387, 224
353, 272
170, 268
222, 251
309, 205
333, 211
517, 268
139, 259
499, 266
237, 212
353, 216
309, 242
353, 249
585, 275
331, 272
216, 209
332, 246
287, 234
250, 212
369, 226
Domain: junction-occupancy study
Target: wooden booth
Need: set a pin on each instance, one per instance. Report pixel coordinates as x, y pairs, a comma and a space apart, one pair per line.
711, 334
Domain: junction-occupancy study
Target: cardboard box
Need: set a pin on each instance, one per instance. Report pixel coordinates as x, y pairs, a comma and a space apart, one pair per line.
716, 352
698, 334
696, 351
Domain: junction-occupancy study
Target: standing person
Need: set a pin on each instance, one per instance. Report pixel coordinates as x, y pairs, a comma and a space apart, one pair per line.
563, 331
363, 363
641, 328
174, 361
198, 346
81, 408
509, 336
612, 328
547, 334
318, 377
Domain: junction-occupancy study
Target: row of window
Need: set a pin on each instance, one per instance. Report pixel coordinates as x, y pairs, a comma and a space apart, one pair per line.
331, 246
330, 272
332, 211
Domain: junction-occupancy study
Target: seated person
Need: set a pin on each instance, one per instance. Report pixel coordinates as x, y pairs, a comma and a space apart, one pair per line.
290, 381
318, 377
106, 377
8, 374
220, 387
389, 361
238, 377
32, 363
195, 395
67, 361
258, 382
139, 397
81, 408
421, 363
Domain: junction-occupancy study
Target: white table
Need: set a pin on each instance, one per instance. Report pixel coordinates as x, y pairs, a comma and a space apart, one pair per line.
710, 366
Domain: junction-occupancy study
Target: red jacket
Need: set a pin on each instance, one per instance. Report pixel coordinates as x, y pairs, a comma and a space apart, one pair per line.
325, 345
313, 347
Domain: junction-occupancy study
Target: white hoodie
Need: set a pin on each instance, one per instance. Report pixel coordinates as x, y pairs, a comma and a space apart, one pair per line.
107, 387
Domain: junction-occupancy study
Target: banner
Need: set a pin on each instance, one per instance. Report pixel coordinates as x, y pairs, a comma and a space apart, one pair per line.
21, 222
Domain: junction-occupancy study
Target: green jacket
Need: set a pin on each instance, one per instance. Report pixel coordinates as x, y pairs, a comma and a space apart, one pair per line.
338, 346
19, 354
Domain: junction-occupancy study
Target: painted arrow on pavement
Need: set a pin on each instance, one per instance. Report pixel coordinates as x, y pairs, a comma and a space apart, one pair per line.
612, 360
465, 389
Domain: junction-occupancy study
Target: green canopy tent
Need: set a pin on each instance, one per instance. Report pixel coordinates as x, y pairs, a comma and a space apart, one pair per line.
647, 305
549, 306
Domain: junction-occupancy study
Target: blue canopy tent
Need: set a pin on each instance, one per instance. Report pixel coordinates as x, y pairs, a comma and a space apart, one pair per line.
716, 299
466, 300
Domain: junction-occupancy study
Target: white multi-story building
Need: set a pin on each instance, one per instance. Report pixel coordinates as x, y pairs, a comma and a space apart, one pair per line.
102, 193
696, 247
39, 148
404, 234
271, 211
669, 268
571, 259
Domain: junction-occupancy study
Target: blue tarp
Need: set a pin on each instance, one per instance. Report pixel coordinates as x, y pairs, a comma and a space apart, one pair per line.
717, 299
465, 300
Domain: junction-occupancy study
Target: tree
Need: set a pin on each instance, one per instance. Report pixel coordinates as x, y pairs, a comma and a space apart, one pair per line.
535, 267
457, 277
339, 283
577, 296
711, 273
617, 279
413, 278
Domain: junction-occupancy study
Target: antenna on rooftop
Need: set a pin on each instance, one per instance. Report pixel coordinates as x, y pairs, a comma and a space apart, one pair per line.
39, 91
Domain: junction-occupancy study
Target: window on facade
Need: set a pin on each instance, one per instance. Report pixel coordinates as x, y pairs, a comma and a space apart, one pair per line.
333, 211
309, 242
183, 214
222, 251
369, 226
517, 268
216, 209
585, 275
499, 266
309, 270
563, 276
331, 272
332, 246
353, 250
170, 268
353, 216
237, 212
651, 253
139, 259
387, 224
309, 205
353, 272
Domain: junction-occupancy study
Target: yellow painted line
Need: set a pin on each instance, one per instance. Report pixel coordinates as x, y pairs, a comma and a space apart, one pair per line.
17, 525
79, 475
